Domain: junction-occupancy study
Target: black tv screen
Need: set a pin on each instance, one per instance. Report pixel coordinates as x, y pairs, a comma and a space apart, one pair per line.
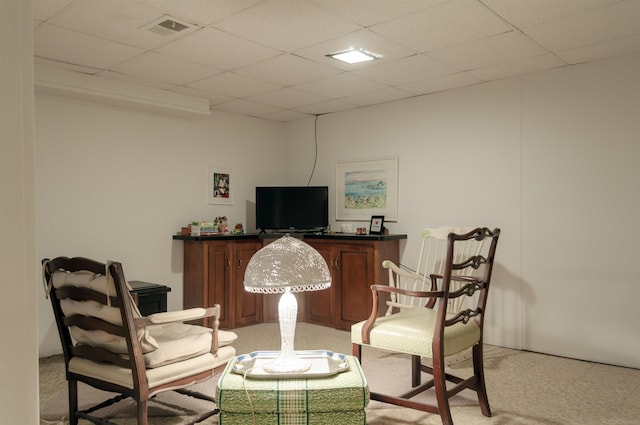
292, 208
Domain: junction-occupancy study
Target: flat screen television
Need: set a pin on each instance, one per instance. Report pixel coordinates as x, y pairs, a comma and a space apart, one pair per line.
292, 208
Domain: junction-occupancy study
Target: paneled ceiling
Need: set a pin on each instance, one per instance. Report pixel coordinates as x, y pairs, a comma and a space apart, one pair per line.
267, 58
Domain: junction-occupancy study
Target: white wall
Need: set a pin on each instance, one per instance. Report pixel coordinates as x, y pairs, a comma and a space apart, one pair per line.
114, 183
19, 367
557, 152
438, 139
580, 208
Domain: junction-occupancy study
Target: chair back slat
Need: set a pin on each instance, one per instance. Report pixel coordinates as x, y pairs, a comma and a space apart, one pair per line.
467, 276
89, 323
102, 355
94, 313
85, 294
431, 260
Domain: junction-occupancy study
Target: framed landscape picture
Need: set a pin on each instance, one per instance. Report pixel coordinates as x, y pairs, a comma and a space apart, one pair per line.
367, 188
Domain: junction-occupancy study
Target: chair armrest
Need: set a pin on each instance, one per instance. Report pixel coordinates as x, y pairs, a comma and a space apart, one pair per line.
388, 264
418, 294
178, 316
175, 316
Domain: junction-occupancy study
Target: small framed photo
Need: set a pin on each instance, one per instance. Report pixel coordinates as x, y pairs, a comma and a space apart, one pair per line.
219, 188
377, 225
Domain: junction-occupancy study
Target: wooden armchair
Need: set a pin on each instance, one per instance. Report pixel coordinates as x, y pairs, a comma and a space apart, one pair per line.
107, 343
433, 330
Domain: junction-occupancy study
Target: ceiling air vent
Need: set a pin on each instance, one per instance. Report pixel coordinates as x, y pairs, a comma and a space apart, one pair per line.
168, 26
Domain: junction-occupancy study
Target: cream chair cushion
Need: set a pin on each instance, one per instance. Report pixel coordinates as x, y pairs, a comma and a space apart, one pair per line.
156, 376
411, 331
101, 284
179, 341
161, 344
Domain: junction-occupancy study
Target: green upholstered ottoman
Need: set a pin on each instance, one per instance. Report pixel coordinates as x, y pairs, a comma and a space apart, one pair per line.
338, 399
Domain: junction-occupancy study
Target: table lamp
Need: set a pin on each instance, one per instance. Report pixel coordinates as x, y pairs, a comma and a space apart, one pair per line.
287, 265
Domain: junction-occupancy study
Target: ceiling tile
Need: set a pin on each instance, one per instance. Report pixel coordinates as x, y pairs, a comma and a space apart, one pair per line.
132, 79
233, 85
526, 13
120, 21
287, 70
217, 49
67, 66
618, 20
285, 115
325, 107
502, 48
365, 39
341, 85
447, 82
596, 51
504, 70
406, 70
246, 107
201, 12
370, 12
63, 45
45, 9
446, 24
164, 68
286, 25
250, 53
288, 98
374, 97
214, 99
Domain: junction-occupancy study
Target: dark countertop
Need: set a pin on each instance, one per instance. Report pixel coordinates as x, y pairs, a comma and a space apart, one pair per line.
225, 237
331, 236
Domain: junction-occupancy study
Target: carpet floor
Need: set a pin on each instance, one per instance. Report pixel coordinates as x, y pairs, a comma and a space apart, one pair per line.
524, 388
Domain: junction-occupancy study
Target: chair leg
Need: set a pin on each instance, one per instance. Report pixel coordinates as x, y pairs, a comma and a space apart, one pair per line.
478, 369
440, 387
73, 402
142, 412
356, 351
415, 371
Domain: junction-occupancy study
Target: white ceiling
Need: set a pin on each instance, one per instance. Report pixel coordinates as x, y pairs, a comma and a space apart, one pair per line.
266, 58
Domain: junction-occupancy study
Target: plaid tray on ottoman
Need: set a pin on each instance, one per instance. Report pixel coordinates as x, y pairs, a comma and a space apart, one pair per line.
338, 399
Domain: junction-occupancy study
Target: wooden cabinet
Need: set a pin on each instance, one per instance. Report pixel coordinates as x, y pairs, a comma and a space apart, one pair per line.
248, 305
214, 273
355, 266
320, 304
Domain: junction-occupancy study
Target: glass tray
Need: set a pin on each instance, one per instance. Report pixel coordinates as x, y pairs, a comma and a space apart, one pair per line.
323, 363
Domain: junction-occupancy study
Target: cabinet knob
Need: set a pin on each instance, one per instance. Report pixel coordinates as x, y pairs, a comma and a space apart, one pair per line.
239, 263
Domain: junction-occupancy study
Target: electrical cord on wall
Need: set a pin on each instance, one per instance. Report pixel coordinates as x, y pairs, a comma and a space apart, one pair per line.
315, 157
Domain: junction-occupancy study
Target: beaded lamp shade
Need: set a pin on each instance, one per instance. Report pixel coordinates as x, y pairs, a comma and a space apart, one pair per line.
287, 265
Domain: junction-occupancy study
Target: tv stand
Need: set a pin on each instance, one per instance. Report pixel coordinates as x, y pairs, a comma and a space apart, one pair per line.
214, 272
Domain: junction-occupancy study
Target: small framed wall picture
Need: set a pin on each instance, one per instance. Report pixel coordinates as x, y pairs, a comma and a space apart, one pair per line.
377, 225
219, 188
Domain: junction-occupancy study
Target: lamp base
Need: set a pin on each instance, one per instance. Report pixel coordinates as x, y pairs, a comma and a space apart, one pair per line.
287, 363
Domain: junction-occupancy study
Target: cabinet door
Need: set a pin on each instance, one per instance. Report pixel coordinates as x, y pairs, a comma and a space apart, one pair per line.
321, 304
248, 305
355, 266
219, 279
195, 283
